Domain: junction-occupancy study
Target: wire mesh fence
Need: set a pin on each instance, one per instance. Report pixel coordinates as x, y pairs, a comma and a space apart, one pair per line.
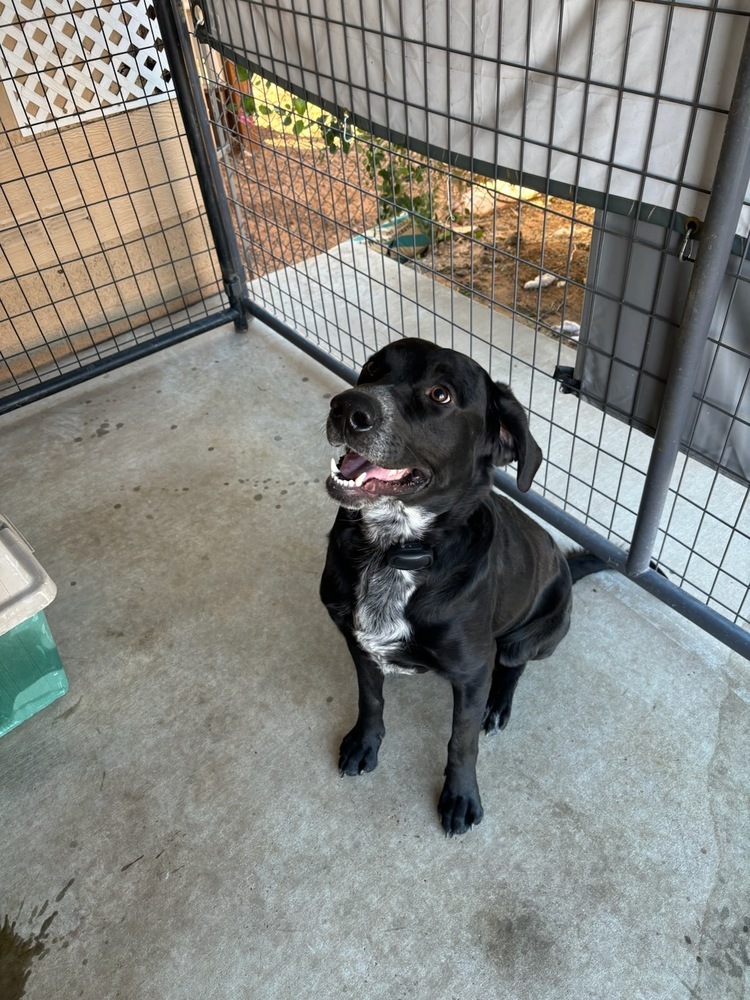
523, 186
530, 184
105, 245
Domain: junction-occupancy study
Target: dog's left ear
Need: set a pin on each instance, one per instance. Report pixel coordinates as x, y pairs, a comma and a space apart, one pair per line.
511, 437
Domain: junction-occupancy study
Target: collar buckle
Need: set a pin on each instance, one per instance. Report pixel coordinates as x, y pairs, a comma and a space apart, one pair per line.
410, 555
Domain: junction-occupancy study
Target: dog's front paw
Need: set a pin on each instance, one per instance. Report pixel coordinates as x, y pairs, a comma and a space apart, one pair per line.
459, 810
359, 752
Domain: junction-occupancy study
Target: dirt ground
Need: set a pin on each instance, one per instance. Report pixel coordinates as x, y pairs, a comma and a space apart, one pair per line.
294, 199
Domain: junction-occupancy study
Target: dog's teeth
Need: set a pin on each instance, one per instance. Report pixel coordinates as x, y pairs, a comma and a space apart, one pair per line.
336, 473
360, 479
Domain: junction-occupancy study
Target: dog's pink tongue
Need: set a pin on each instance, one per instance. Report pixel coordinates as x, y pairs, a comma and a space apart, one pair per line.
353, 465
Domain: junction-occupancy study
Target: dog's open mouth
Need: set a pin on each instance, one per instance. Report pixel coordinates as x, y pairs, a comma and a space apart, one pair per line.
357, 476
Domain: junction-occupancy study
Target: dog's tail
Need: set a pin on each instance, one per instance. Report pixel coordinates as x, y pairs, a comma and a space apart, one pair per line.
584, 564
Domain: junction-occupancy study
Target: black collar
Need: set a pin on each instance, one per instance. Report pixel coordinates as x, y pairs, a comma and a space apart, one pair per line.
410, 555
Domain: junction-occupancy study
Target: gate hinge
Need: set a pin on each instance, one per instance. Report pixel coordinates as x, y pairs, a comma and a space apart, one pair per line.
564, 374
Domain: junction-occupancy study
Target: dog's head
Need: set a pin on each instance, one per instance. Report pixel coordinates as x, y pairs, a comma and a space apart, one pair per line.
425, 425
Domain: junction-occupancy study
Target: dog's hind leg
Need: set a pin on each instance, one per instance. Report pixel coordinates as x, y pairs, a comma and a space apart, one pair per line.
359, 748
500, 701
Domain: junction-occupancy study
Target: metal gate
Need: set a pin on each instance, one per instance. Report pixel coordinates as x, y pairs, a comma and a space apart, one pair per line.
530, 186
106, 244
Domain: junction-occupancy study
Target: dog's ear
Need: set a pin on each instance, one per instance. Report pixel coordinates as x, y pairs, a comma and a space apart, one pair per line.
511, 437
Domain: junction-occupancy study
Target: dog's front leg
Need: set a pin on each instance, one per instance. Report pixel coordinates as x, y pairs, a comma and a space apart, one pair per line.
460, 806
359, 748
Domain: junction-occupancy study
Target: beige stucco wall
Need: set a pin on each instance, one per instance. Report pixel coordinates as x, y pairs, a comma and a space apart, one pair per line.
101, 231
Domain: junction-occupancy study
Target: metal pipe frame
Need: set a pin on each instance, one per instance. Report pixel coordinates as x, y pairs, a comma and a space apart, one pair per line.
717, 236
717, 242
174, 34
306, 346
650, 580
47, 387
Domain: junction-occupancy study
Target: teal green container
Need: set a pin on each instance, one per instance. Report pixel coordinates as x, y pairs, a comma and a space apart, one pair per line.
31, 671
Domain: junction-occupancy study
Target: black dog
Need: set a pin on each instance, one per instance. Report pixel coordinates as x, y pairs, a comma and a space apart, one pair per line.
427, 568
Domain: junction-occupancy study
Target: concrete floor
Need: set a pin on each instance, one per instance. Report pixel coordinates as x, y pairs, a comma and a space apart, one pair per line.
175, 827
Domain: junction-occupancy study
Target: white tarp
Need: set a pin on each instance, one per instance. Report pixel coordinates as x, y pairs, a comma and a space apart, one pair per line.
626, 97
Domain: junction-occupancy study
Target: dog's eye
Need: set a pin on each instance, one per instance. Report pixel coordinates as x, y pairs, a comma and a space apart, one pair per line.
371, 369
440, 394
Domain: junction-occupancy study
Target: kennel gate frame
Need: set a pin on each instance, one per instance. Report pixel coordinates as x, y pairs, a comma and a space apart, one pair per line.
714, 249
74, 74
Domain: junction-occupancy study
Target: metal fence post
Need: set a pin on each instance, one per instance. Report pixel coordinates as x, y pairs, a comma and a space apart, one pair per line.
717, 235
176, 41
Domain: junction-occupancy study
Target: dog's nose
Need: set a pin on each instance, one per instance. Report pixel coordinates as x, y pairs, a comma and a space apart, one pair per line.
354, 410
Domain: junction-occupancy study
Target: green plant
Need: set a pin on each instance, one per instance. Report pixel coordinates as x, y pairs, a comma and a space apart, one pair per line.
292, 114
399, 180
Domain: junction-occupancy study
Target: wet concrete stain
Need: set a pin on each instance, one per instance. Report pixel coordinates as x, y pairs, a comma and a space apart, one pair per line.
102, 430
131, 863
18, 952
68, 711
519, 942
723, 955
61, 894
729, 951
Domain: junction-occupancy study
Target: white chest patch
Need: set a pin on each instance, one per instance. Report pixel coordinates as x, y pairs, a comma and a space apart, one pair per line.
380, 624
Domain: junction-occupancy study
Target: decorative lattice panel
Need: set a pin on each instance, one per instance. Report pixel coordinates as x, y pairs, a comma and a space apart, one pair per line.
78, 59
